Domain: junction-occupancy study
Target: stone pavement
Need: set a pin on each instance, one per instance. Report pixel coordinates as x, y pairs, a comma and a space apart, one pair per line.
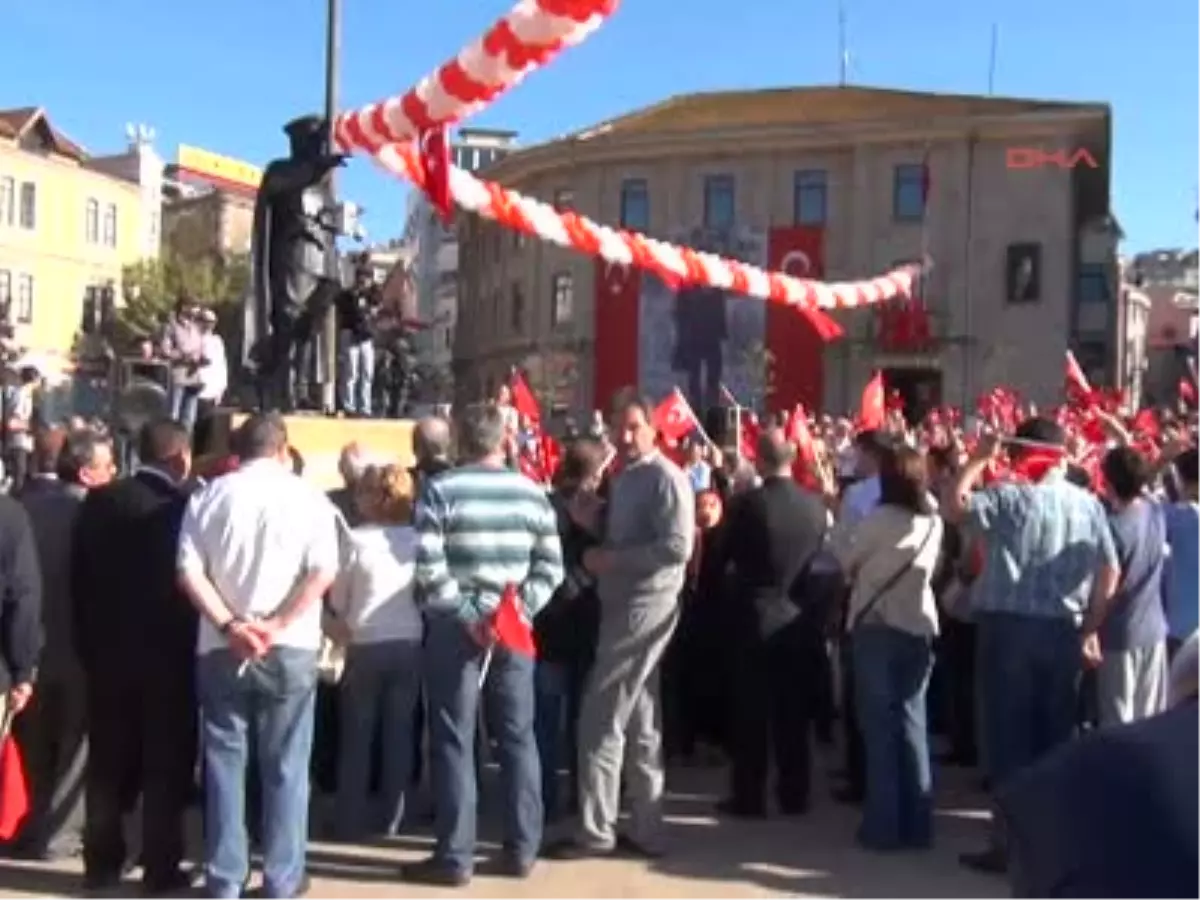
813, 856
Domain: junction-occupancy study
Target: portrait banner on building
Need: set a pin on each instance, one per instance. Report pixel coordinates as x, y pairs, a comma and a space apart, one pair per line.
702, 338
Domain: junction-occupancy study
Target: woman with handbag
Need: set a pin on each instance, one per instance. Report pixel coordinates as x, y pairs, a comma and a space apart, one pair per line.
890, 558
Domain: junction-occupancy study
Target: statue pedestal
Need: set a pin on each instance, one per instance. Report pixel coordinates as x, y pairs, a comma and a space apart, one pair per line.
320, 439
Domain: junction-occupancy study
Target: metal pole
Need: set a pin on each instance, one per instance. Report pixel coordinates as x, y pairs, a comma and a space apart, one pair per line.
992, 56
333, 52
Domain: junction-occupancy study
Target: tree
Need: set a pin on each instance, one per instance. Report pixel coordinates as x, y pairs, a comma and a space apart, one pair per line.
151, 288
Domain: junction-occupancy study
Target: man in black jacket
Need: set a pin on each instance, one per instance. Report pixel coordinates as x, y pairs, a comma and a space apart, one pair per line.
20, 609
53, 734
772, 532
136, 636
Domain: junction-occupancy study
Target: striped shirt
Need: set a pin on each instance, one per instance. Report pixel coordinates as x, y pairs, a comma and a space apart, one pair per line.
479, 530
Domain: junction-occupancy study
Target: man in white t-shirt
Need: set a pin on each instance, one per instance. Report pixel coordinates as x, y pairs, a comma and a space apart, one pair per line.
257, 550
213, 377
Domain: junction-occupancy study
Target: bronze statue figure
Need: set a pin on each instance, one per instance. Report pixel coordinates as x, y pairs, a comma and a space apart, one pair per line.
289, 250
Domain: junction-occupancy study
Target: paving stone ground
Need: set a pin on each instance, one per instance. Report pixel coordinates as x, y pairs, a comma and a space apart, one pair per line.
813, 856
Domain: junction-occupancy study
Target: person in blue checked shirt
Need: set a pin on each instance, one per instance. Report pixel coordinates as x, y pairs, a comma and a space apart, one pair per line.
1048, 558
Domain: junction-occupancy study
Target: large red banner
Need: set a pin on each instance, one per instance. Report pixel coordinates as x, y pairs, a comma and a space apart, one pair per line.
617, 311
797, 341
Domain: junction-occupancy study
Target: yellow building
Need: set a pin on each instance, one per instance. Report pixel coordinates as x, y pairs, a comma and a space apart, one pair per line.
65, 229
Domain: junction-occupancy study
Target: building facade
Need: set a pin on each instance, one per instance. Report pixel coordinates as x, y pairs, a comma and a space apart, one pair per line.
67, 229
835, 183
1169, 280
434, 251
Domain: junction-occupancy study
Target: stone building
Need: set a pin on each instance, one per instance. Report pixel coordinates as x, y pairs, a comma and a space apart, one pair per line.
1024, 253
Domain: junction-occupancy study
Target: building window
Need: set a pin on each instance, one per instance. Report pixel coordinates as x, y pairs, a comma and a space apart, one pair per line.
5, 294
1023, 273
810, 193
28, 205
908, 193
91, 222
564, 199
24, 303
719, 202
635, 204
8, 201
1093, 285
563, 307
110, 225
516, 309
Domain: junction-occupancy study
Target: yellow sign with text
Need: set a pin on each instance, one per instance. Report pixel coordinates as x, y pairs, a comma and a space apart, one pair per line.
213, 166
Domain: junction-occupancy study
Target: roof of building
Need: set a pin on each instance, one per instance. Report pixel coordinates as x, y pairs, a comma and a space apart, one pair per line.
17, 123
818, 105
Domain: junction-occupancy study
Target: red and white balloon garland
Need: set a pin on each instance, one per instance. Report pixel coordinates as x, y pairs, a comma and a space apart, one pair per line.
527, 38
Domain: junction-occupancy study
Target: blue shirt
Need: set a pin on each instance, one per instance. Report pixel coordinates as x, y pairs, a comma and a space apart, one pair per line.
1181, 592
1135, 618
700, 475
859, 501
1043, 544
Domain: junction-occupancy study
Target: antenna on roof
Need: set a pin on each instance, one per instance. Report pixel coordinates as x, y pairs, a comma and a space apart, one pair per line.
843, 50
992, 53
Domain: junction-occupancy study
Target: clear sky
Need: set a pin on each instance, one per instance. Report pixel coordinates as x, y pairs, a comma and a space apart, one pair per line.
226, 74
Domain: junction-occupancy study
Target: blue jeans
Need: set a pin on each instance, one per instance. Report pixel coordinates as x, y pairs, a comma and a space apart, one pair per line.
452, 663
274, 697
891, 677
358, 374
184, 400
552, 687
1028, 670
379, 690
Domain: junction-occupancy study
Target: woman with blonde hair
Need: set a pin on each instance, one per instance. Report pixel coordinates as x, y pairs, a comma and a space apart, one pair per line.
382, 629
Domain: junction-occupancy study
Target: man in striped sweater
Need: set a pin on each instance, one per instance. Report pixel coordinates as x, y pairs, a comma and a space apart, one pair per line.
481, 528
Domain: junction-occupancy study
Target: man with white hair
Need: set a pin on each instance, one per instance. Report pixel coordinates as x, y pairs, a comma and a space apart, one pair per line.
1113, 814
351, 464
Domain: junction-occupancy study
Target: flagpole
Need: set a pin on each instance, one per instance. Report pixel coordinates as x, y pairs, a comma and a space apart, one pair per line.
993, 53
843, 52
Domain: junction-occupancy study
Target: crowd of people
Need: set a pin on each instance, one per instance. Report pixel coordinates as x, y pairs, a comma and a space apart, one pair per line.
223, 629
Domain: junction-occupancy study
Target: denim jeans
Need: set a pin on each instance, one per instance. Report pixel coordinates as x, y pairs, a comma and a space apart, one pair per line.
379, 690
891, 677
1028, 670
274, 697
452, 662
358, 374
552, 686
184, 400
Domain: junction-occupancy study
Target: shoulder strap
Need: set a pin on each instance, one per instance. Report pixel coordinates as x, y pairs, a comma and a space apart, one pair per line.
895, 577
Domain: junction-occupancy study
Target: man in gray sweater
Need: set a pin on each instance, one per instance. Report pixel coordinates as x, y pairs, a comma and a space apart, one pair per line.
649, 530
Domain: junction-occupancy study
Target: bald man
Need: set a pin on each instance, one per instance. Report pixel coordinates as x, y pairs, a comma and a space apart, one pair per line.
431, 446
774, 531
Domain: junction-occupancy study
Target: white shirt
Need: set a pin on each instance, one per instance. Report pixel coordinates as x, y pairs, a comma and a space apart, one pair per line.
256, 533
214, 374
374, 590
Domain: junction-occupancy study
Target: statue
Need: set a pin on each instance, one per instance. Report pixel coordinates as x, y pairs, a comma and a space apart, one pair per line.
290, 287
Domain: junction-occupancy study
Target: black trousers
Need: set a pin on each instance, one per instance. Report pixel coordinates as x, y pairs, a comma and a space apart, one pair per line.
957, 645
142, 742
53, 738
774, 707
202, 435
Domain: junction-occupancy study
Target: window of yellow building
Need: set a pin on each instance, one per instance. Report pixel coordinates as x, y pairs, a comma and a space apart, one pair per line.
8, 200
91, 222
24, 299
110, 225
5, 292
28, 205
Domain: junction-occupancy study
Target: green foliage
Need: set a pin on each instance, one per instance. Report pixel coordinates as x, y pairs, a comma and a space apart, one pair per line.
151, 288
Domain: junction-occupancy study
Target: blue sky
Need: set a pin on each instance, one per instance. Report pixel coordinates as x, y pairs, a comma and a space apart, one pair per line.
211, 74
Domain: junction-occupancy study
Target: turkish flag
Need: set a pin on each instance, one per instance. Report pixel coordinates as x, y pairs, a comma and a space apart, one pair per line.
435, 161
1187, 391
510, 627
617, 310
14, 788
806, 452
872, 408
1077, 386
796, 338
523, 400
673, 418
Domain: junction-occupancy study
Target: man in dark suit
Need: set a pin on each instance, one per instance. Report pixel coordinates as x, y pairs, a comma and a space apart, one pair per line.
772, 533
136, 636
1112, 814
52, 735
20, 609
